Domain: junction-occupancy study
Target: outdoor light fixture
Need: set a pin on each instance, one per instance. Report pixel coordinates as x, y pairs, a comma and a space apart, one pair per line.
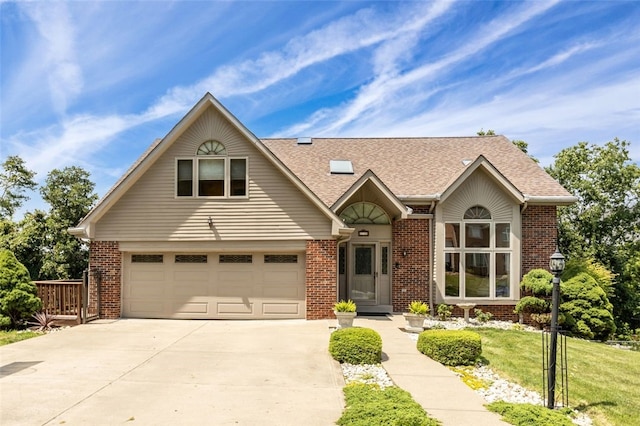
404, 253
556, 265
210, 221
363, 233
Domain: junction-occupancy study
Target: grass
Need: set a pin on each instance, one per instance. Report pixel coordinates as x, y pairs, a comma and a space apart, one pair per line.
604, 382
368, 405
11, 336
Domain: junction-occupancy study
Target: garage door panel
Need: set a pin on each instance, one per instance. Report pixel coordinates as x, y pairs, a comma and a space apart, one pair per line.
191, 288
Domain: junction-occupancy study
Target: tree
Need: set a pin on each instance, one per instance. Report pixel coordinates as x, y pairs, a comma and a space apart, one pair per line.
522, 145
15, 179
605, 222
70, 194
29, 241
18, 295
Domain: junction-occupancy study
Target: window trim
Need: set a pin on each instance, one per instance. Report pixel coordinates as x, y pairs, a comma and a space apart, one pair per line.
195, 165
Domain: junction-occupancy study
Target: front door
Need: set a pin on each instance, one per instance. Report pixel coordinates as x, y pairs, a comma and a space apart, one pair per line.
363, 284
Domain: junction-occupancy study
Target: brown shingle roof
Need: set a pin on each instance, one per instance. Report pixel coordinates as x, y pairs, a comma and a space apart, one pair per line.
410, 167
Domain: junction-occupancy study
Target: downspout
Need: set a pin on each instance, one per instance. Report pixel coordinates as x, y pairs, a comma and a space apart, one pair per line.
431, 252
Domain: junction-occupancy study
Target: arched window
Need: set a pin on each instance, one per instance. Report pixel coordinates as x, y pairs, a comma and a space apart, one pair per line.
364, 213
478, 256
212, 147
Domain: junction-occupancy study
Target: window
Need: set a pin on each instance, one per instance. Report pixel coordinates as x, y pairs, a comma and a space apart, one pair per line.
211, 173
235, 258
280, 258
477, 260
191, 258
146, 258
364, 213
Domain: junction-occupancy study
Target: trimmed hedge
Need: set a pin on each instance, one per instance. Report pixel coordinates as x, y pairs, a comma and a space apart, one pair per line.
451, 347
356, 345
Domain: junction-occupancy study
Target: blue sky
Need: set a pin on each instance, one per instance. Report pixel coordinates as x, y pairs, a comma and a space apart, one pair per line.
93, 83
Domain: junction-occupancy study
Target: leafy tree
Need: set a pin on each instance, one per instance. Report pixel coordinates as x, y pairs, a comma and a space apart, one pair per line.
522, 145
29, 241
15, 178
18, 295
605, 222
70, 194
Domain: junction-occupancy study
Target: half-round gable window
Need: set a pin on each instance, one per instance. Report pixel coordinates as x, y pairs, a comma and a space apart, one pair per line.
364, 213
477, 212
212, 147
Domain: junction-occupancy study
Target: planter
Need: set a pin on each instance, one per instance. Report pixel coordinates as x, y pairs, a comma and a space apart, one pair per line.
345, 319
415, 322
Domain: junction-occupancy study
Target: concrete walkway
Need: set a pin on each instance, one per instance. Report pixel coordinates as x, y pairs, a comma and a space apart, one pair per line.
442, 394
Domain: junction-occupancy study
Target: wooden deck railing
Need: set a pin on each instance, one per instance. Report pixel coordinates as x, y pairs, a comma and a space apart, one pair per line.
62, 298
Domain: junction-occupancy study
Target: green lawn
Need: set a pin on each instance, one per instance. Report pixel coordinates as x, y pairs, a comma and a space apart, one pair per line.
603, 381
12, 336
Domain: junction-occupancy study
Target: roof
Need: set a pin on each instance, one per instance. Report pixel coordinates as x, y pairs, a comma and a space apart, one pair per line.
418, 169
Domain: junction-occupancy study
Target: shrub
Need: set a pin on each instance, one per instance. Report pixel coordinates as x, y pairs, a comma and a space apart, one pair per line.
418, 307
600, 273
482, 316
589, 309
444, 312
18, 295
537, 282
532, 304
451, 347
368, 405
356, 346
529, 414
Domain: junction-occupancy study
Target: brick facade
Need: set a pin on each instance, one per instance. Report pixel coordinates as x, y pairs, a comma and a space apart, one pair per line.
105, 265
539, 237
410, 272
500, 312
321, 278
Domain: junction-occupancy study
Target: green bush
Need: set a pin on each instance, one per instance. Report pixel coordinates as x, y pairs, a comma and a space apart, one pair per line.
368, 405
444, 311
345, 306
451, 347
589, 309
356, 346
529, 414
537, 282
532, 304
418, 307
18, 295
482, 316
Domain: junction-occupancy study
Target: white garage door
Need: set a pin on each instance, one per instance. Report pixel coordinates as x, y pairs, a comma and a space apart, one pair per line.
213, 285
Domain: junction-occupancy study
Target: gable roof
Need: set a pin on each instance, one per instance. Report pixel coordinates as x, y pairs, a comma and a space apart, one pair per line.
155, 151
416, 169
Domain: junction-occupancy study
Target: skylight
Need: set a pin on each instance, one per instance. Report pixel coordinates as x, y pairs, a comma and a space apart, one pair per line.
341, 167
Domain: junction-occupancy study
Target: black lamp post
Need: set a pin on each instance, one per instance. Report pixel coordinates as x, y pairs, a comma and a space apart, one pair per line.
556, 265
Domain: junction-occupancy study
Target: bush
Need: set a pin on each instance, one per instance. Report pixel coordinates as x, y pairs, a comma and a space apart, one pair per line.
451, 347
356, 346
537, 282
444, 312
533, 305
482, 316
18, 295
368, 405
345, 306
589, 309
418, 307
529, 414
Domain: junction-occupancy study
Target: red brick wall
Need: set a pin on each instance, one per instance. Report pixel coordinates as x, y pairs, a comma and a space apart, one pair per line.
105, 261
411, 276
539, 237
321, 278
500, 312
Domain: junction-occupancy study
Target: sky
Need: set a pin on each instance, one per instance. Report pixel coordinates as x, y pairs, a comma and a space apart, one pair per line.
94, 83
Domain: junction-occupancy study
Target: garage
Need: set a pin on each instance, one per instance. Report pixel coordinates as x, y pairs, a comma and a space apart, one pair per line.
214, 285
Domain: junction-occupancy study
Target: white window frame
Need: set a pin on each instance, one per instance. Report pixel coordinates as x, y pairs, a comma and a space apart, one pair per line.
227, 176
492, 250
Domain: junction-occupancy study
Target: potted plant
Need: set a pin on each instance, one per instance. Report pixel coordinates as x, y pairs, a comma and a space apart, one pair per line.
418, 311
345, 312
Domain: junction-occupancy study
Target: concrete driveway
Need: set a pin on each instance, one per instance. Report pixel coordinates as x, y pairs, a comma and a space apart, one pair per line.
164, 372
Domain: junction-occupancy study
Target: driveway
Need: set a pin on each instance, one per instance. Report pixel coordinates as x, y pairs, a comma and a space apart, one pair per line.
172, 372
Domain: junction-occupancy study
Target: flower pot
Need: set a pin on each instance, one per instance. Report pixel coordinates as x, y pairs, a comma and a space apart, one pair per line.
345, 319
415, 322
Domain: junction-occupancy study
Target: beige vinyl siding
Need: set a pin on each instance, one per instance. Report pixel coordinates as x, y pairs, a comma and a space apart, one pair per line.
275, 208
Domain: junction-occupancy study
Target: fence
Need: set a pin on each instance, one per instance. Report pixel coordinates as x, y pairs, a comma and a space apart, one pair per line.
65, 299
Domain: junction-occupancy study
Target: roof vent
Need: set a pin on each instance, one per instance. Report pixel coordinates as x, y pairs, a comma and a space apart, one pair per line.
304, 141
341, 167
466, 162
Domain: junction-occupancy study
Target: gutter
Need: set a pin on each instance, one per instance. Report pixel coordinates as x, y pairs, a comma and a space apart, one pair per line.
550, 200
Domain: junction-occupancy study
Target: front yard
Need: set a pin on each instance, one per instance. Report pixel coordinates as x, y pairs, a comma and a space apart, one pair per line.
12, 336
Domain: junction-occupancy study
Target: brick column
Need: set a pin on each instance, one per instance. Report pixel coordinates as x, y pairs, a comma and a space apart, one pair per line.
321, 278
411, 277
539, 237
105, 259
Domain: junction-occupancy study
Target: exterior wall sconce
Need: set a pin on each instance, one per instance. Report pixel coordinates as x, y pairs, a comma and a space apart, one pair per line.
210, 222
363, 233
397, 265
404, 253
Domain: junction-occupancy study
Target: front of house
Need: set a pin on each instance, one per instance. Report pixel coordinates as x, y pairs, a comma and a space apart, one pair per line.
212, 222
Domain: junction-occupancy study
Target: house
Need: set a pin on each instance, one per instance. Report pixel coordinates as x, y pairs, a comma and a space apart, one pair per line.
212, 222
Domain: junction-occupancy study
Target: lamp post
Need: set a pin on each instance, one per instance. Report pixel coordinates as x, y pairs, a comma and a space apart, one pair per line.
556, 265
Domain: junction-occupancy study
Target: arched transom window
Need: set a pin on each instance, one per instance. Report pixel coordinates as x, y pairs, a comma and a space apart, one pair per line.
212, 173
478, 256
364, 213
